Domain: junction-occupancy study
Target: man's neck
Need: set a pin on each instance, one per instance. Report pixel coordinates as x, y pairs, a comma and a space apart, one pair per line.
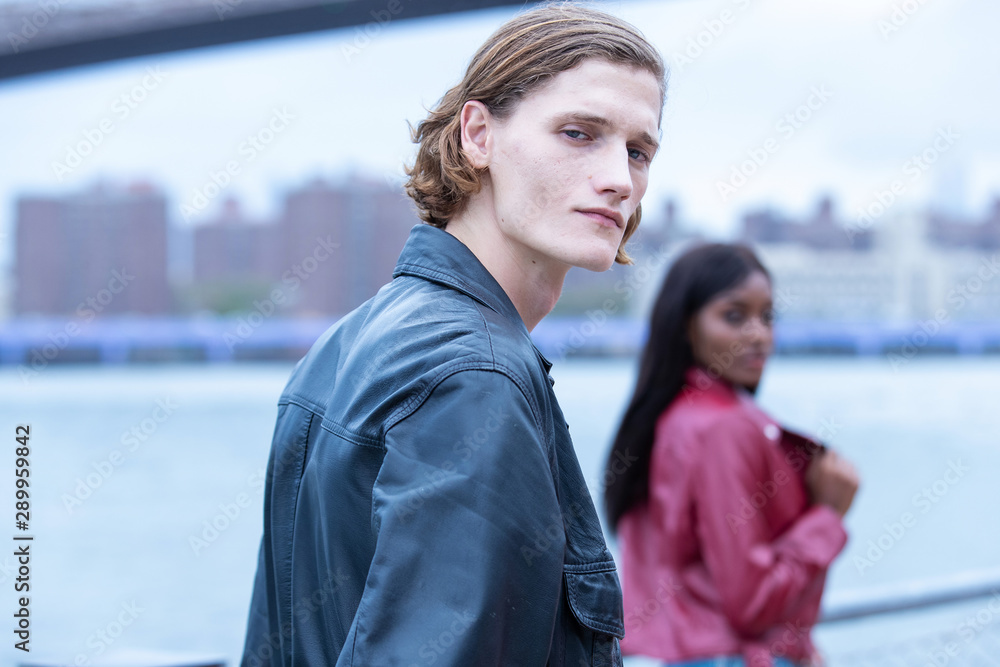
532, 281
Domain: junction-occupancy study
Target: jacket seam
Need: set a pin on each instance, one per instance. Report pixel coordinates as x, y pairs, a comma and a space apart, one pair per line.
411, 404
489, 336
438, 379
421, 271
603, 626
295, 512
414, 403
305, 403
594, 566
329, 425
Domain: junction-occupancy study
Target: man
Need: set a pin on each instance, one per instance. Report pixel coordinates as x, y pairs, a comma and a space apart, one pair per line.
424, 504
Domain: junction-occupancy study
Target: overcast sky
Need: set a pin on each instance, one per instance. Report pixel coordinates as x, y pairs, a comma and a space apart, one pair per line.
884, 85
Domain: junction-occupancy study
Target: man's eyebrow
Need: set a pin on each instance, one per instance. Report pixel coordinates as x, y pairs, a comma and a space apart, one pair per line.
601, 121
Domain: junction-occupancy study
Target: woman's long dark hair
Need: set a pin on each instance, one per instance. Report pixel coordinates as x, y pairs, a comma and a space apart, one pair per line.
695, 278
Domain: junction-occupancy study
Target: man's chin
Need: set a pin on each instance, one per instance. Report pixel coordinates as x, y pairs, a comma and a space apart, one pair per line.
597, 262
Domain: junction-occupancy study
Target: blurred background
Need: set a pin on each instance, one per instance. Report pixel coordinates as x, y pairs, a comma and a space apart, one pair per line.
191, 192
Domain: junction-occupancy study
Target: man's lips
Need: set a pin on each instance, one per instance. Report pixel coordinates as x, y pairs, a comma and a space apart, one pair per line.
604, 216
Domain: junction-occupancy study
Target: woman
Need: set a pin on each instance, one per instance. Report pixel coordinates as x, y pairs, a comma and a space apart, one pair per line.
727, 523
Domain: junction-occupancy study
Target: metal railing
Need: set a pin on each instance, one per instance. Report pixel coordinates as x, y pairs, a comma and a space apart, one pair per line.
970, 639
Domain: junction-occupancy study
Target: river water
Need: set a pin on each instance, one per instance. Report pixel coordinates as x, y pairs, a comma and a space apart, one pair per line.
130, 466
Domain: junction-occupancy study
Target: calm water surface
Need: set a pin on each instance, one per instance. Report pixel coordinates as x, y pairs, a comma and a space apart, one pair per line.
129, 536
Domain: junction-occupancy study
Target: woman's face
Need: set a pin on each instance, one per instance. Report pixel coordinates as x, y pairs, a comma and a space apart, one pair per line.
731, 335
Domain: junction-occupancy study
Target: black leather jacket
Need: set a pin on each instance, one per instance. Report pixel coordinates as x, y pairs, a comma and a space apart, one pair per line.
424, 504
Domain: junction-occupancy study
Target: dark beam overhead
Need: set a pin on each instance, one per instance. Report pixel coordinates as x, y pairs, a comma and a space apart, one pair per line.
39, 37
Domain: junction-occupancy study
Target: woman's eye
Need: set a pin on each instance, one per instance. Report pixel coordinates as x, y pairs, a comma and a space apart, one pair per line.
733, 316
767, 317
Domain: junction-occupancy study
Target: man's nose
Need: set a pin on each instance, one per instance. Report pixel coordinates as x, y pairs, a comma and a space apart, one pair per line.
613, 173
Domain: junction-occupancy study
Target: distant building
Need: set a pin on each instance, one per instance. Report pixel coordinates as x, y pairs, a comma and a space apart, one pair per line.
821, 232
907, 275
341, 243
331, 248
231, 249
951, 232
99, 252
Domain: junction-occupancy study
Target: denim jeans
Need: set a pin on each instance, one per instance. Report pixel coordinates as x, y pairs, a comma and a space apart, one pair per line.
724, 661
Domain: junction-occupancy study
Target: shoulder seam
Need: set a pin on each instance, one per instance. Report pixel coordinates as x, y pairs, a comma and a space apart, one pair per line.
415, 402
486, 328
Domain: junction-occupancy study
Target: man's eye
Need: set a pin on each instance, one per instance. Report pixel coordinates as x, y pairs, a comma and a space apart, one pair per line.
639, 155
570, 134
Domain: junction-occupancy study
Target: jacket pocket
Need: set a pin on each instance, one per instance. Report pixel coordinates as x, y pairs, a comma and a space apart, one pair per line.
595, 597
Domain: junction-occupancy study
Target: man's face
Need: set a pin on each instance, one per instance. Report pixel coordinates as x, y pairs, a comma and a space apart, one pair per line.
568, 168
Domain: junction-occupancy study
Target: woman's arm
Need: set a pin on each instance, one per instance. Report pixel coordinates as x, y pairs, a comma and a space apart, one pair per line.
760, 578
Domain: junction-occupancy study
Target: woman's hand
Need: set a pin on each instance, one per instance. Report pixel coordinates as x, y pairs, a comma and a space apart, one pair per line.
833, 481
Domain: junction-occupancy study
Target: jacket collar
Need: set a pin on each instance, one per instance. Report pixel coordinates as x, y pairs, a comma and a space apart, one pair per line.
433, 254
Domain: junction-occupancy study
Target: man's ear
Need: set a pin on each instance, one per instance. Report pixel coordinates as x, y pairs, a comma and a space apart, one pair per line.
477, 133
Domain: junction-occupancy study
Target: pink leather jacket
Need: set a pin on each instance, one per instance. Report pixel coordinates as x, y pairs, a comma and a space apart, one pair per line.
727, 556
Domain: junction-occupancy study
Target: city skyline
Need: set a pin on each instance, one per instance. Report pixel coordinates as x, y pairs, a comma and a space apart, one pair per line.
329, 249
69, 245
770, 103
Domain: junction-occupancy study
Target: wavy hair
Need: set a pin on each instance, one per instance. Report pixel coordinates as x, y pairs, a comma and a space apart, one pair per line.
521, 55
